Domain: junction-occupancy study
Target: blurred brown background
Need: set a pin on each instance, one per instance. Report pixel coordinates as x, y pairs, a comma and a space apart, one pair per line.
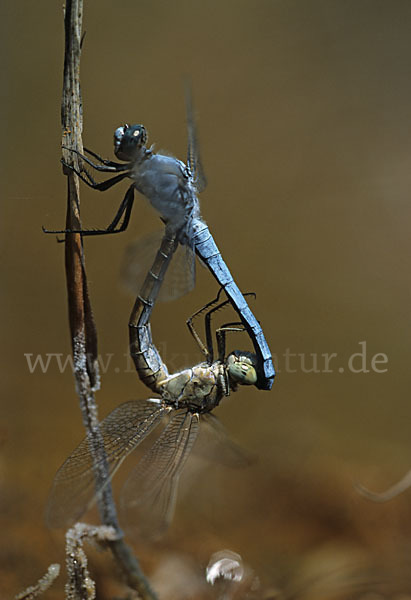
304, 122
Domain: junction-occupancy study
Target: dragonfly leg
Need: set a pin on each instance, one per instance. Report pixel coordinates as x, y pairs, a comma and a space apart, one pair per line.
210, 307
207, 319
207, 349
108, 163
221, 336
124, 209
88, 179
107, 166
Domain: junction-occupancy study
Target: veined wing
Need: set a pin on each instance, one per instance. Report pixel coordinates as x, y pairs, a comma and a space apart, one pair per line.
193, 153
74, 489
215, 444
149, 495
138, 258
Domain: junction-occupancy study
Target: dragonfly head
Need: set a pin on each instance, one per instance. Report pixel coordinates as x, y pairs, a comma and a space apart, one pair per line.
242, 367
129, 140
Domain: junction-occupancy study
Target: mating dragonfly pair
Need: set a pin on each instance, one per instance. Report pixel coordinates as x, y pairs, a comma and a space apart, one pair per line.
189, 396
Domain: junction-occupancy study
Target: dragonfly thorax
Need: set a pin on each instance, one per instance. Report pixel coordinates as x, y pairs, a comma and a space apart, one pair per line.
129, 142
165, 182
200, 389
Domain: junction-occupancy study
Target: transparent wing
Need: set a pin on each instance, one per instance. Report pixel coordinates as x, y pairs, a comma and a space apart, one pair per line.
149, 495
214, 444
139, 257
73, 490
193, 152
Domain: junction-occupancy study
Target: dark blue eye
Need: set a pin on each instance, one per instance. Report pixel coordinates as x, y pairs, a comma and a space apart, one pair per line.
128, 139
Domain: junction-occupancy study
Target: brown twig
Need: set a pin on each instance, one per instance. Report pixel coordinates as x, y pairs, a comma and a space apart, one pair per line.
82, 326
42, 585
80, 586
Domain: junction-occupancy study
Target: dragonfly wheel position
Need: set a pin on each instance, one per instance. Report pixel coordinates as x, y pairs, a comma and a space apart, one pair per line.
172, 188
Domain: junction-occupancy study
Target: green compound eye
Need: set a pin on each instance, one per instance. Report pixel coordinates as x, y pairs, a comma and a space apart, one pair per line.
242, 371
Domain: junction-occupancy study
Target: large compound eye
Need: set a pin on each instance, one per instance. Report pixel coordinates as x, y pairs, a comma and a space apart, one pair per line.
119, 133
118, 137
136, 136
128, 140
142, 135
241, 370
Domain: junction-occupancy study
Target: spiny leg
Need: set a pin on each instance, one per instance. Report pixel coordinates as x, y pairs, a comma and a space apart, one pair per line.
207, 348
109, 163
221, 336
88, 179
207, 319
125, 208
106, 166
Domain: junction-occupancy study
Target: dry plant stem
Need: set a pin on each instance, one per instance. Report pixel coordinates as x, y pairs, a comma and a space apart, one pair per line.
80, 586
82, 327
42, 585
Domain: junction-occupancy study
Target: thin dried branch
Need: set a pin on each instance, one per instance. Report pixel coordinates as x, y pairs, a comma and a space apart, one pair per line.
82, 326
42, 585
80, 586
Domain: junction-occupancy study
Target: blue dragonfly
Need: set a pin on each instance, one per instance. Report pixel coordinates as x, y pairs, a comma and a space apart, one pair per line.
172, 187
